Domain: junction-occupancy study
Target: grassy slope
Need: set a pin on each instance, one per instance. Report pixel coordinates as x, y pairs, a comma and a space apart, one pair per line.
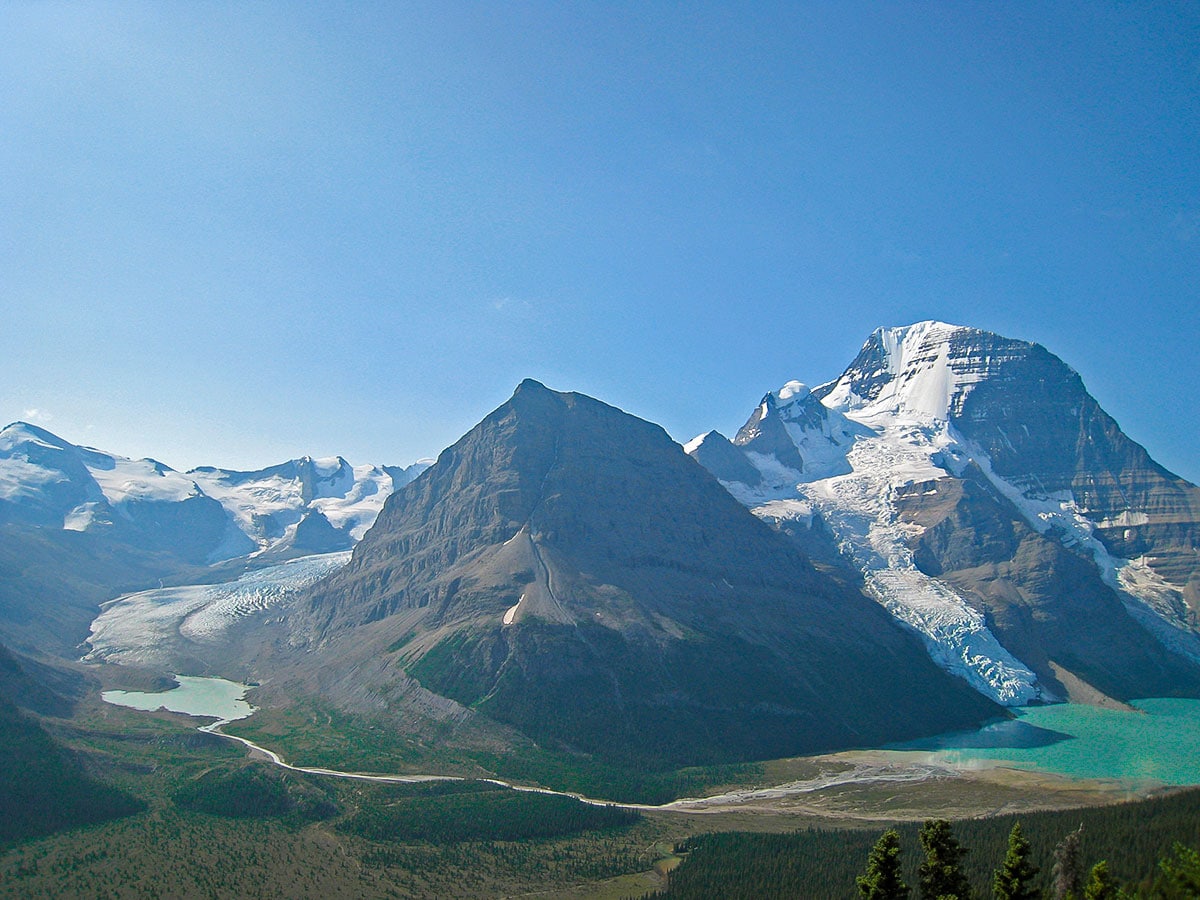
310, 733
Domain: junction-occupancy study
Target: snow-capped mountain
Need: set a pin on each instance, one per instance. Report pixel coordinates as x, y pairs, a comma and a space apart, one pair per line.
990, 505
205, 515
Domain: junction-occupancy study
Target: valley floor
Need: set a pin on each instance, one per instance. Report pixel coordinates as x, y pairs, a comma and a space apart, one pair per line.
173, 850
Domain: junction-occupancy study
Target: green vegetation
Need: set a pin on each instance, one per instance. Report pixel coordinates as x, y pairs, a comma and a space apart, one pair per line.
1179, 876
883, 880
595, 778
592, 690
208, 823
1101, 884
312, 734
941, 876
255, 791
1014, 879
42, 789
453, 813
1131, 837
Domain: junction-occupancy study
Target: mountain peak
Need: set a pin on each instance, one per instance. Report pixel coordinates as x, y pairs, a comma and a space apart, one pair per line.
926, 369
17, 432
792, 392
564, 569
532, 386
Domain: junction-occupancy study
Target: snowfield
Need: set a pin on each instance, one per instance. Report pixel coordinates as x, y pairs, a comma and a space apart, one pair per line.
151, 628
858, 452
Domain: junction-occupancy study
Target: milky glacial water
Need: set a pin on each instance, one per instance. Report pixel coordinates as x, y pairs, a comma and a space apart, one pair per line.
195, 696
1159, 741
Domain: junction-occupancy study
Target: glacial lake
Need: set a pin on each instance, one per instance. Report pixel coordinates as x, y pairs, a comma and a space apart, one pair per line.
1159, 741
195, 696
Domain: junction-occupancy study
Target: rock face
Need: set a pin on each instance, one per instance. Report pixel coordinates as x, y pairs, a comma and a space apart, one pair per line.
716, 453
993, 506
566, 570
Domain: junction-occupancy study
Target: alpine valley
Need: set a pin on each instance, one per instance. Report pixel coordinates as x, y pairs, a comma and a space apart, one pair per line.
568, 599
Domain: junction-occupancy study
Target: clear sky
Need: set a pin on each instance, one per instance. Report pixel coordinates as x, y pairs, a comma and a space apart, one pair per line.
234, 233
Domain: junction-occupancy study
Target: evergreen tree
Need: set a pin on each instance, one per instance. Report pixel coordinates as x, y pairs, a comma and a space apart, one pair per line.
1180, 876
1068, 877
882, 880
1101, 884
1014, 879
941, 875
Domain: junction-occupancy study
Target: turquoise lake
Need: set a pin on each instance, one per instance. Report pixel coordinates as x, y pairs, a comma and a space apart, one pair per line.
1158, 742
195, 696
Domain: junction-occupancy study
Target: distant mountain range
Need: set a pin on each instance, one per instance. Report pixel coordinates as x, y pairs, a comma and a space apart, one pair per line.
202, 516
950, 526
78, 526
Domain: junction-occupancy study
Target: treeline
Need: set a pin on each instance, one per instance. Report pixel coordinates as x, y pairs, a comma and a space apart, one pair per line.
1132, 838
453, 813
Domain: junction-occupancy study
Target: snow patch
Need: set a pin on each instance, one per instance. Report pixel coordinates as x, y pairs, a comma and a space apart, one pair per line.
777, 511
82, 517
792, 390
128, 480
512, 612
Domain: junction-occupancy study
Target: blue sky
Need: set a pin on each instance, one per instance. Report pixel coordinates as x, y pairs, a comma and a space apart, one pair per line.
236, 233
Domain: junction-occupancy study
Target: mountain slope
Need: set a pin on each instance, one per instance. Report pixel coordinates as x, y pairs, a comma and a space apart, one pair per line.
202, 516
996, 509
566, 570
46, 481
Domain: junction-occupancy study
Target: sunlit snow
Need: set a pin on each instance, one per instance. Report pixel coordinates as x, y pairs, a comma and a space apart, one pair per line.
150, 627
865, 450
855, 462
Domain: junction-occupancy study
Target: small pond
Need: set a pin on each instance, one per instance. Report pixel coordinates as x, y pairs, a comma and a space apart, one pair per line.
195, 696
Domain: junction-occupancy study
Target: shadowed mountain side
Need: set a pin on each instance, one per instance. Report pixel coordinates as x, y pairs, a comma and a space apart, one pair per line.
43, 786
1045, 602
567, 570
53, 582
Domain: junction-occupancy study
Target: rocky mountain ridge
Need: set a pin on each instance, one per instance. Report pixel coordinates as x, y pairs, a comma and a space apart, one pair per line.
992, 506
566, 570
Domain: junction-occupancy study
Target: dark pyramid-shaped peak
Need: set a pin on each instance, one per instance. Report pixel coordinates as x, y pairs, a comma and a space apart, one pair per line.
580, 476
532, 385
566, 569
